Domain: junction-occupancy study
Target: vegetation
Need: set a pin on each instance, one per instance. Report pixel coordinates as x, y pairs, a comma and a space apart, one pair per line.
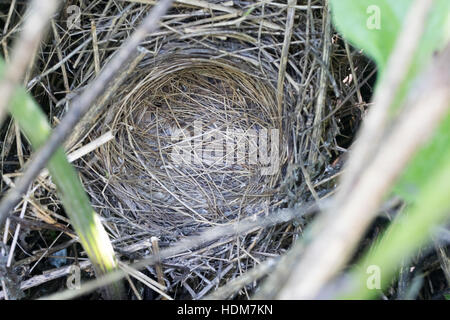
424, 183
402, 150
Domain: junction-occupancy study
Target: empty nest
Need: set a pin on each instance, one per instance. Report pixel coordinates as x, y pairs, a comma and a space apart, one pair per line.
185, 153
217, 66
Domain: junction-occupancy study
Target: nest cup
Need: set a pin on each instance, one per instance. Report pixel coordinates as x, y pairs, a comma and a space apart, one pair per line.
199, 140
202, 136
197, 143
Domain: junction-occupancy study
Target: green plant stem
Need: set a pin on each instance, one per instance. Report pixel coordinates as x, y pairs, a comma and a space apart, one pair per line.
84, 219
409, 232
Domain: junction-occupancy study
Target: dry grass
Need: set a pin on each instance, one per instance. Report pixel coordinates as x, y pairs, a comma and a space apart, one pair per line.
220, 66
141, 181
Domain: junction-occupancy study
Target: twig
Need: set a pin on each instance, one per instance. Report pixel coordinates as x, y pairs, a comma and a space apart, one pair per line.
16, 234
353, 71
95, 45
83, 127
247, 278
58, 65
320, 104
58, 273
159, 270
284, 57
64, 271
38, 16
81, 105
5, 30
152, 284
216, 233
443, 259
60, 56
84, 150
339, 231
207, 5
212, 234
397, 69
214, 282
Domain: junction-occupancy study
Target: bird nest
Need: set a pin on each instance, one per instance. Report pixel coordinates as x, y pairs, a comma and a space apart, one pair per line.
215, 121
197, 143
202, 138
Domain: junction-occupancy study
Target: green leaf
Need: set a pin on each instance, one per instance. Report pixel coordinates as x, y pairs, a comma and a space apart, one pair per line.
409, 232
425, 162
33, 123
371, 25
426, 180
357, 21
374, 25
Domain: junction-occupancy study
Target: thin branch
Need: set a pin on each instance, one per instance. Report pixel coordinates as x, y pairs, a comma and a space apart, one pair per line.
284, 56
316, 136
81, 105
397, 68
24, 52
339, 230
189, 244
247, 278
